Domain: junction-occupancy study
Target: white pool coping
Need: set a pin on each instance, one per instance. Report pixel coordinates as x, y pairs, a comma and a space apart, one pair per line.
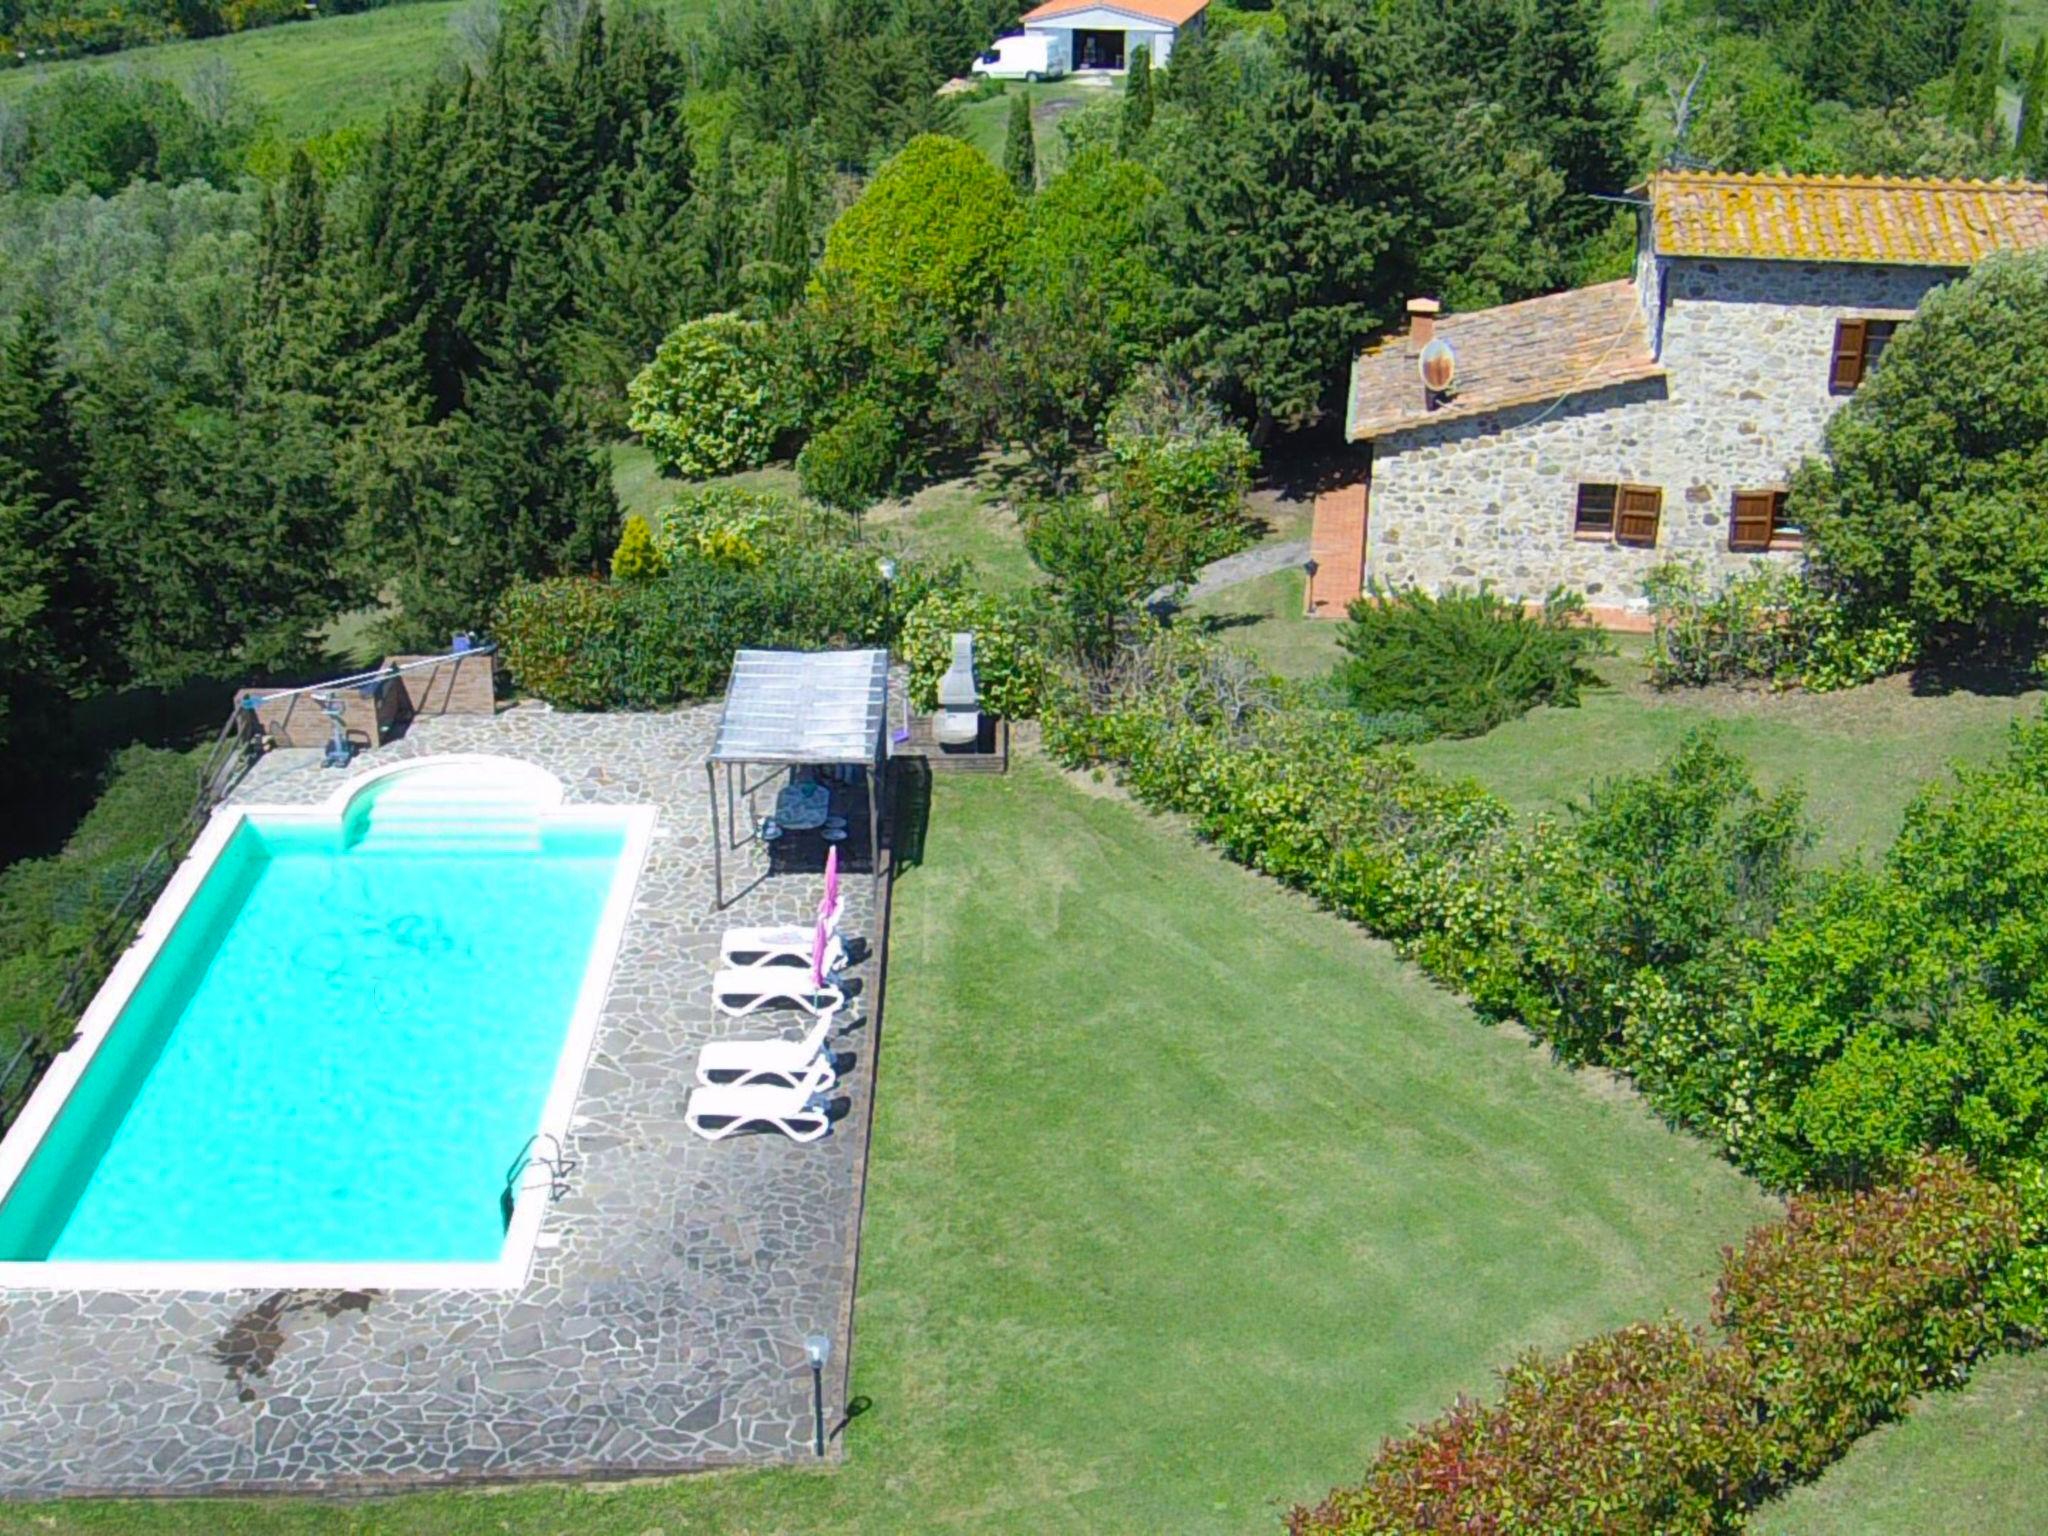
509, 1270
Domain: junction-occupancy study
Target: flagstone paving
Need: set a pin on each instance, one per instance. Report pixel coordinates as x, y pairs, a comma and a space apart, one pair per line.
661, 1328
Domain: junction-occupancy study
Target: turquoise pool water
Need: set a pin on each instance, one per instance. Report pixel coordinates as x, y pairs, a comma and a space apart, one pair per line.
335, 1057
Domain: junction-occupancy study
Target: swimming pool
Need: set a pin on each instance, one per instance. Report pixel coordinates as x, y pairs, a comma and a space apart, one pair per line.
329, 1054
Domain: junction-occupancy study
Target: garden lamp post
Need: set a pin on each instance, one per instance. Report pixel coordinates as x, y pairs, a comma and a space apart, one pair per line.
818, 1349
1308, 592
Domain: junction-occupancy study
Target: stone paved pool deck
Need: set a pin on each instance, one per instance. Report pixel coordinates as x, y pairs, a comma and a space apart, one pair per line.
661, 1328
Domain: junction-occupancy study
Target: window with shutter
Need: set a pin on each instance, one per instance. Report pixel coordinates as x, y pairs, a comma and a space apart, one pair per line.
1594, 516
1847, 370
1750, 526
1758, 522
1636, 512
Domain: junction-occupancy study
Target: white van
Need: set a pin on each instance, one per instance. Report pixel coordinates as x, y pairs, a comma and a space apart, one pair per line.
1023, 57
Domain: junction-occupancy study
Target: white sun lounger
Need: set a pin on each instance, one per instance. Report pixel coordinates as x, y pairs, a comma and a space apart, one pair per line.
739, 990
799, 1113
780, 1063
745, 948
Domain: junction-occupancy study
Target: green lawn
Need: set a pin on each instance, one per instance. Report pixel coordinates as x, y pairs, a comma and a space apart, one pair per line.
310, 78
1182, 1195
1266, 617
1861, 754
985, 124
964, 519
1966, 1463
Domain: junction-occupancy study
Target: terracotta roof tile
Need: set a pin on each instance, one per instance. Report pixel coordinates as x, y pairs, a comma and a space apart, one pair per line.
1168, 13
1844, 218
1514, 354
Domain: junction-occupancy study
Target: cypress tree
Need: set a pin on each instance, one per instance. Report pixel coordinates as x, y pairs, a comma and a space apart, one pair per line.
2032, 145
1973, 84
1020, 149
1137, 113
789, 231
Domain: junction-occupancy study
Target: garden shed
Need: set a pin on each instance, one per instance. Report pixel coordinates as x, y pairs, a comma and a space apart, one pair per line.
1088, 35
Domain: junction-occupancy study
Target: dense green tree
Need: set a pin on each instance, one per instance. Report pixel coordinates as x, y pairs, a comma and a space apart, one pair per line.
1566, 92
1298, 214
1020, 146
931, 231
1932, 498
531, 496
1042, 377
42, 484
1094, 225
1134, 121
1101, 562
100, 130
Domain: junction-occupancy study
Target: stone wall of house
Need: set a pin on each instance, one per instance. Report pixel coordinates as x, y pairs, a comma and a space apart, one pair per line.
1746, 346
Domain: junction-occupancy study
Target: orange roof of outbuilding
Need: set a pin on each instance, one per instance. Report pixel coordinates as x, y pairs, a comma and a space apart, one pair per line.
1892, 221
1171, 13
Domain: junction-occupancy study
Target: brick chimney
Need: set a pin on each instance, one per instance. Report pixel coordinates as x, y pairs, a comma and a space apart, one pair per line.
1422, 315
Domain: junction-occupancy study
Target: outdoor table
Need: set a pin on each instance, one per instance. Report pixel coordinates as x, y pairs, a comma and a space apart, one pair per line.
800, 807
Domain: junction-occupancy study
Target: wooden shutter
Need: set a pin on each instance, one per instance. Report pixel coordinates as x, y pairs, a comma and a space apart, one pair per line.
1636, 511
1847, 371
1750, 527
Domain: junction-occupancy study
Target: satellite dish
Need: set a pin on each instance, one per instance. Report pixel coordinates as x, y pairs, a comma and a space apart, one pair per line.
1438, 366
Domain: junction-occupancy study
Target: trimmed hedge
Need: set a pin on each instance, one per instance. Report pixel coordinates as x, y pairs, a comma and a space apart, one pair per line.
1857, 1301
591, 645
1649, 1428
1833, 1317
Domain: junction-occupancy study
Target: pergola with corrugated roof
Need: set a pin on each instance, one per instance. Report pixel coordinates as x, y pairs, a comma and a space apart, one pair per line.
790, 709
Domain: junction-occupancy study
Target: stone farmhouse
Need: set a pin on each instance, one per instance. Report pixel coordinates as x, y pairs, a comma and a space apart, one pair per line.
1588, 436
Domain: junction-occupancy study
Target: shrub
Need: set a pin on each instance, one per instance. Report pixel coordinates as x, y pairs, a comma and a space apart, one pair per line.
852, 463
562, 640
1467, 660
1769, 624
1647, 1429
636, 558
1672, 874
1900, 1007
707, 403
1856, 1301
1009, 661
733, 526
1176, 458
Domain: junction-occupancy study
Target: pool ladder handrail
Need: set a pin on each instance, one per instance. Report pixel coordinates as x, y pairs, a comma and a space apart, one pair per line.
559, 1166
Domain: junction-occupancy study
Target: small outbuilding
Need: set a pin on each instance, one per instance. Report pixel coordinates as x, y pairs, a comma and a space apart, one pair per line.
1094, 37
818, 723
